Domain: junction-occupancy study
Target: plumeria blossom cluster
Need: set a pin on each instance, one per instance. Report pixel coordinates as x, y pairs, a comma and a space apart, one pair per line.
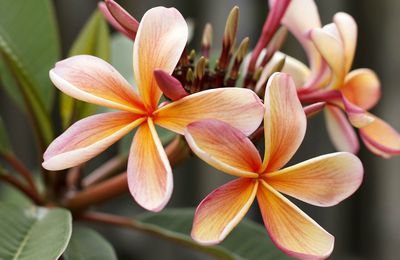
159, 42
220, 122
330, 50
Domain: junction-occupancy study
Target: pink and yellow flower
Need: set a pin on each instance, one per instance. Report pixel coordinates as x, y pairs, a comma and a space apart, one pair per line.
160, 40
321, 181
330, 51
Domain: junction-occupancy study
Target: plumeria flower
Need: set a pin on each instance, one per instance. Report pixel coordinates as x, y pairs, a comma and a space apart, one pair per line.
330, 51
160, 39
322, 181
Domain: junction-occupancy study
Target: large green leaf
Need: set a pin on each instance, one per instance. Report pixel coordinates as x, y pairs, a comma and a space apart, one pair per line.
248, 240
33, 232
29, 35
9, 194
94, 39
29, 46
10, 85
87, 244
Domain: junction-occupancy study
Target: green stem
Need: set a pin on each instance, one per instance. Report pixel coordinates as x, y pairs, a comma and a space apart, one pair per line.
152, 230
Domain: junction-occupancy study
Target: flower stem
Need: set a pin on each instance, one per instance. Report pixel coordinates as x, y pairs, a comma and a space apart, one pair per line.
18, 185
20, 168
73, 177
98, 193
105, 170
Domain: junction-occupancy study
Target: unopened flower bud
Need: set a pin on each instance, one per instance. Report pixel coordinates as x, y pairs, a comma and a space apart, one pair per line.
200, 68
206, 40
170, 86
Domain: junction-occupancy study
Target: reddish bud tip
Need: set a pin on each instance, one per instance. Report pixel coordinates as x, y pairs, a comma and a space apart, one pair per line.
170, 86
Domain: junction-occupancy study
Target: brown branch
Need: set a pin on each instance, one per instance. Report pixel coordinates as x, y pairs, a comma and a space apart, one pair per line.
73, 177
98, 193
20, 168
110, 167
18, 185
257, 135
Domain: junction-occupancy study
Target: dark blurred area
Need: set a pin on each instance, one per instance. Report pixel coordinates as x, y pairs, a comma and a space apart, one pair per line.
366, 226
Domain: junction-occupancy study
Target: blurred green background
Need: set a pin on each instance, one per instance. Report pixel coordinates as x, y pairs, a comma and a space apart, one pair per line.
366, 226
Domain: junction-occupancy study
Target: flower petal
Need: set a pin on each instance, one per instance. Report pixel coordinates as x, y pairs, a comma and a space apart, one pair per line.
302, 16
149, 172
222, 210
87, 138
93, 80
223, 147
331, 49
313, 109
347, 28
381, 138
284, 122
241, 108
322, 181
362, 88
296, 69
271, 67
340, 131
357, 116
160, 40
291, 229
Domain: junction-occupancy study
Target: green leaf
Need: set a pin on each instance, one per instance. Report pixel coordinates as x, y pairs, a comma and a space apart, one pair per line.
29, 46
5, 146
11, 86
33, 232
87, 244
28, 34
9, 194
248, 240
94, 39
122, 56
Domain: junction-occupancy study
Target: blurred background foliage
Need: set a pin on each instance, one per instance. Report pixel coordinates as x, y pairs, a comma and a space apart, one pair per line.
366, 226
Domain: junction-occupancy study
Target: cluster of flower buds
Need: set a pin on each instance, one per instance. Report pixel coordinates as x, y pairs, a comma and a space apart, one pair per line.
194, 73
